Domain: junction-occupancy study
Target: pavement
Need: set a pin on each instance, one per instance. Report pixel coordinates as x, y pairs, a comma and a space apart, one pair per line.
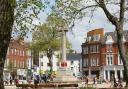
14, 87
103, 85
10, 87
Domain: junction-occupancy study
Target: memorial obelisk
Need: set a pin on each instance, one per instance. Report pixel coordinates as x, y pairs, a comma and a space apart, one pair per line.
64, 73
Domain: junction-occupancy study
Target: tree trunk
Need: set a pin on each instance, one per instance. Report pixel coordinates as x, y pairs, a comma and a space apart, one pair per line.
6, 24
51, 66
49, 55
122, 53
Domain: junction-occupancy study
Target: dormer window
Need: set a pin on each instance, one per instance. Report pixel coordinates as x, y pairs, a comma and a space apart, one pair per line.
96, 37
89, 38
109, 40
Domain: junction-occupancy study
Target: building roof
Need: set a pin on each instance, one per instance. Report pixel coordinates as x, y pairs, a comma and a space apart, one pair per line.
114, 36
73, 56
97, 35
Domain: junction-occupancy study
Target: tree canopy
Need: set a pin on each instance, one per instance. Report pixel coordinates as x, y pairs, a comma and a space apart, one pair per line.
48, 36
26, 12
73, 10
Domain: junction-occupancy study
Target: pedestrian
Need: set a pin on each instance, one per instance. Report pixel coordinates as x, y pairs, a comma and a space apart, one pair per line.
94, 80
45, 78
16, 81
10, 80
86, 79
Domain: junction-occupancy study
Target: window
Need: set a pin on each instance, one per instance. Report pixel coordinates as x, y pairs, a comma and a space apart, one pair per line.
23, 53
119, 60
86, 50
96, 37
15, 50
97, 63
97, 48
109, 48
20, 64
109, 59
20, 53
23, 64
89, 38
92, 62
14, 63
91, 48
94, 48
12, 50
85, 62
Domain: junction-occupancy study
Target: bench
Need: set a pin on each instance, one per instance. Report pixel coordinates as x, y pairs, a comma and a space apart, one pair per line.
46, 85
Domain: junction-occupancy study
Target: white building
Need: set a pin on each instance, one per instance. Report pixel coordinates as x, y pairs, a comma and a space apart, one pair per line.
44, 63
74, 59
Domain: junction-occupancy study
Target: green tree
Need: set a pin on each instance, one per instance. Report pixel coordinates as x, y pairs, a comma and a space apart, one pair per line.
47, 37
6, 23
10, 67
77, 9
20, 13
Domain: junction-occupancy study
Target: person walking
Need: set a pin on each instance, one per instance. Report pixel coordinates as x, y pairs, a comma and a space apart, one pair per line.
94, 80
87, 80
10, 80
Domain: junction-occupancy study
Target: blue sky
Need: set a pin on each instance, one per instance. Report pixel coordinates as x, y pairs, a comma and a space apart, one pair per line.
82, 27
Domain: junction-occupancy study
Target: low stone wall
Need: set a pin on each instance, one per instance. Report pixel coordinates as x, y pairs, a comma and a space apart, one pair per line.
55, 85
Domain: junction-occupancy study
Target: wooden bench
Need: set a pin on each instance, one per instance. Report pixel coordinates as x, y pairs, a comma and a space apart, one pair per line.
53, 85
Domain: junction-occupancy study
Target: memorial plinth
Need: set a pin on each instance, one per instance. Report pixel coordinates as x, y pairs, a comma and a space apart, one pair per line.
65, 75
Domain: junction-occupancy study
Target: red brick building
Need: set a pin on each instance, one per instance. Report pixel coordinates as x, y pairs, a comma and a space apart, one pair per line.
100, 55
16, 58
